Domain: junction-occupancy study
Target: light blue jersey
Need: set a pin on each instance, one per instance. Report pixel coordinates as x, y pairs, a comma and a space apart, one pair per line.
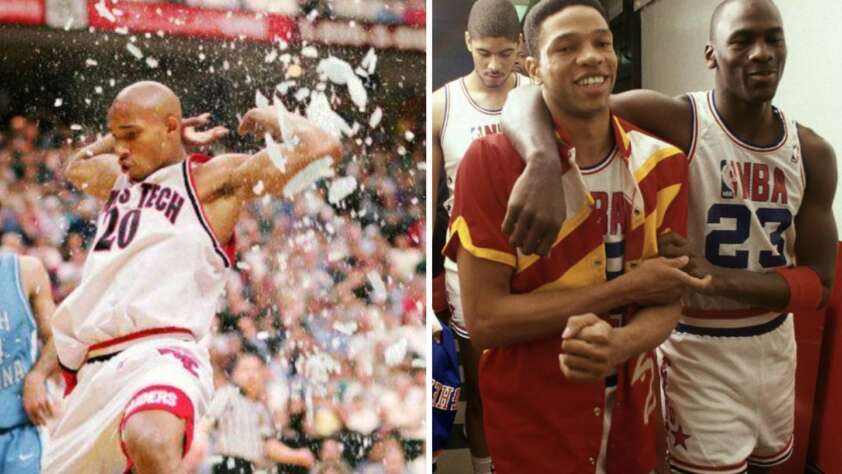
20, 447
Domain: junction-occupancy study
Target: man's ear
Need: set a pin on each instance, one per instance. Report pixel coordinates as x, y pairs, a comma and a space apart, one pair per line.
533, 68
710, 57
468, 41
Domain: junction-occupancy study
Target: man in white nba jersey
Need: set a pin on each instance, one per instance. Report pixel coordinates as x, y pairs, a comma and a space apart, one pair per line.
463, 110
152, 280
757, 180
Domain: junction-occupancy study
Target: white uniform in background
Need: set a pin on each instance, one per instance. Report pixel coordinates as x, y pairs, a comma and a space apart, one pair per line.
464, 122
728, 369
151, 284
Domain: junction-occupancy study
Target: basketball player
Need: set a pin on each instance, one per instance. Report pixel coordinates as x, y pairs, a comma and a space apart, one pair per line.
464, 110
26, 306
757, 180
599, 295
153, 278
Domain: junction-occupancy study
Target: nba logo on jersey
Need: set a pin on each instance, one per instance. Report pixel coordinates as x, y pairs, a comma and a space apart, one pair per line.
727, 179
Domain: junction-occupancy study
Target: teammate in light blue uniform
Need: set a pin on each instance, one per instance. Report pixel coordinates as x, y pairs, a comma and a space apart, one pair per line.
24, 403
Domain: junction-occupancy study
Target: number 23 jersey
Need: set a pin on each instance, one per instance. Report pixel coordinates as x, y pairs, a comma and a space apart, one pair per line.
154, 263
743, 202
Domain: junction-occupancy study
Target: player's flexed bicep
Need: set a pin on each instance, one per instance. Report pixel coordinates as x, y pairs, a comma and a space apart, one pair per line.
269, 170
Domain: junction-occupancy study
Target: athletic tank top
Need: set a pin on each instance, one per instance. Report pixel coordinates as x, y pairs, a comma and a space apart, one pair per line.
743, 202
605, 182
154, 263
464, 122
18, 342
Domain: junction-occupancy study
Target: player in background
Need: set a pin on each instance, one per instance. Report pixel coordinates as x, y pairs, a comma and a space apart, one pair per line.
758, 179
153, 278
26, 306
463, 110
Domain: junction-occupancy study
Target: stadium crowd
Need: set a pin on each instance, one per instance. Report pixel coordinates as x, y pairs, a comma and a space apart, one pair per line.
329, 295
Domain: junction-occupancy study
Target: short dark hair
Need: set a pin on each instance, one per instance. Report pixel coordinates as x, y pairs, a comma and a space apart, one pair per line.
493, 19
546, 8
717, 14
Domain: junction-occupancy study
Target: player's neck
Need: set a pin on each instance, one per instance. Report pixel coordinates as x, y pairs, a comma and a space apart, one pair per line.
488, 97
751, 122
592, 136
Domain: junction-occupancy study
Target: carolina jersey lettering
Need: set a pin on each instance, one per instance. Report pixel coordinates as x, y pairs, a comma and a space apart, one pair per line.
743, 198
18, 341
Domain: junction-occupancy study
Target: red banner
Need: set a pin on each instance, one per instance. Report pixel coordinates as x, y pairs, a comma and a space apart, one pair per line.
30, 12
185, 21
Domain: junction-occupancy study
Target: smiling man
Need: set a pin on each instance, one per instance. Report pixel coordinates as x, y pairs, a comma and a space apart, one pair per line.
758, 180
568, 378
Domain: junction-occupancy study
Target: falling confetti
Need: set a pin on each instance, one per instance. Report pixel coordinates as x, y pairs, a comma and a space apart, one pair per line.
341, 188
134, 50
305, 178
375, 118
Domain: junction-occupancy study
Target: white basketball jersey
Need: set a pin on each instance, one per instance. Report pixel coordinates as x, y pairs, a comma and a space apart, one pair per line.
464, 122
154, 263
743, 201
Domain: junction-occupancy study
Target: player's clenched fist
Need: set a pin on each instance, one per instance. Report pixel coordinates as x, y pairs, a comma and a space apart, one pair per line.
590, 349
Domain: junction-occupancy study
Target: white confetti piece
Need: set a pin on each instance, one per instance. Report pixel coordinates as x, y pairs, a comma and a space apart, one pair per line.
134, 50
305, 178
359, 96
58, 102
375, 118
409, 136
274, 150
260, 100
341, 188
369, 62
336, 70
271, 57
122, 31
91, 62
320, 113
104, 11
151, 62
258, 188
68, 23
75, 126
309, 52
302, 94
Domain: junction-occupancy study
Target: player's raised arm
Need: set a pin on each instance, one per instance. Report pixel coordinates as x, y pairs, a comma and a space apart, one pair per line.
94, 168
309, 143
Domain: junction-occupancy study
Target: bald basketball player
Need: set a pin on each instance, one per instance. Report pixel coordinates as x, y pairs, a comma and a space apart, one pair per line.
758, 180
127, 336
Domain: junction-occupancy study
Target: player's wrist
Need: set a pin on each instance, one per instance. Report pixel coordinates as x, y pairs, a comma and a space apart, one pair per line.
539, 162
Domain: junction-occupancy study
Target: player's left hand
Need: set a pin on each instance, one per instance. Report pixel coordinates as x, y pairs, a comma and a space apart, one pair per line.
36, 401
672, 245
589, 349
193, 137
536, 209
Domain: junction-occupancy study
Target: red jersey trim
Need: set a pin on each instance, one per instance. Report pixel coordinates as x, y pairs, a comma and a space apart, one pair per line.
227, 251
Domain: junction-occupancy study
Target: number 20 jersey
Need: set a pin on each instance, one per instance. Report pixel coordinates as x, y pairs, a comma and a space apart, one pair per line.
743, 202
154, 263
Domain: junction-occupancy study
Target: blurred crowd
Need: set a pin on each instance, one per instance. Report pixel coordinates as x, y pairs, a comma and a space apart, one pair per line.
330, 296
379, 11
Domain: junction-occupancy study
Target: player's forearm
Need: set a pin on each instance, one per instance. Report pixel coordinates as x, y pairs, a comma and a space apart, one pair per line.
47, 362
496, 320
76, 171
527, 124
762, 290
648, 328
